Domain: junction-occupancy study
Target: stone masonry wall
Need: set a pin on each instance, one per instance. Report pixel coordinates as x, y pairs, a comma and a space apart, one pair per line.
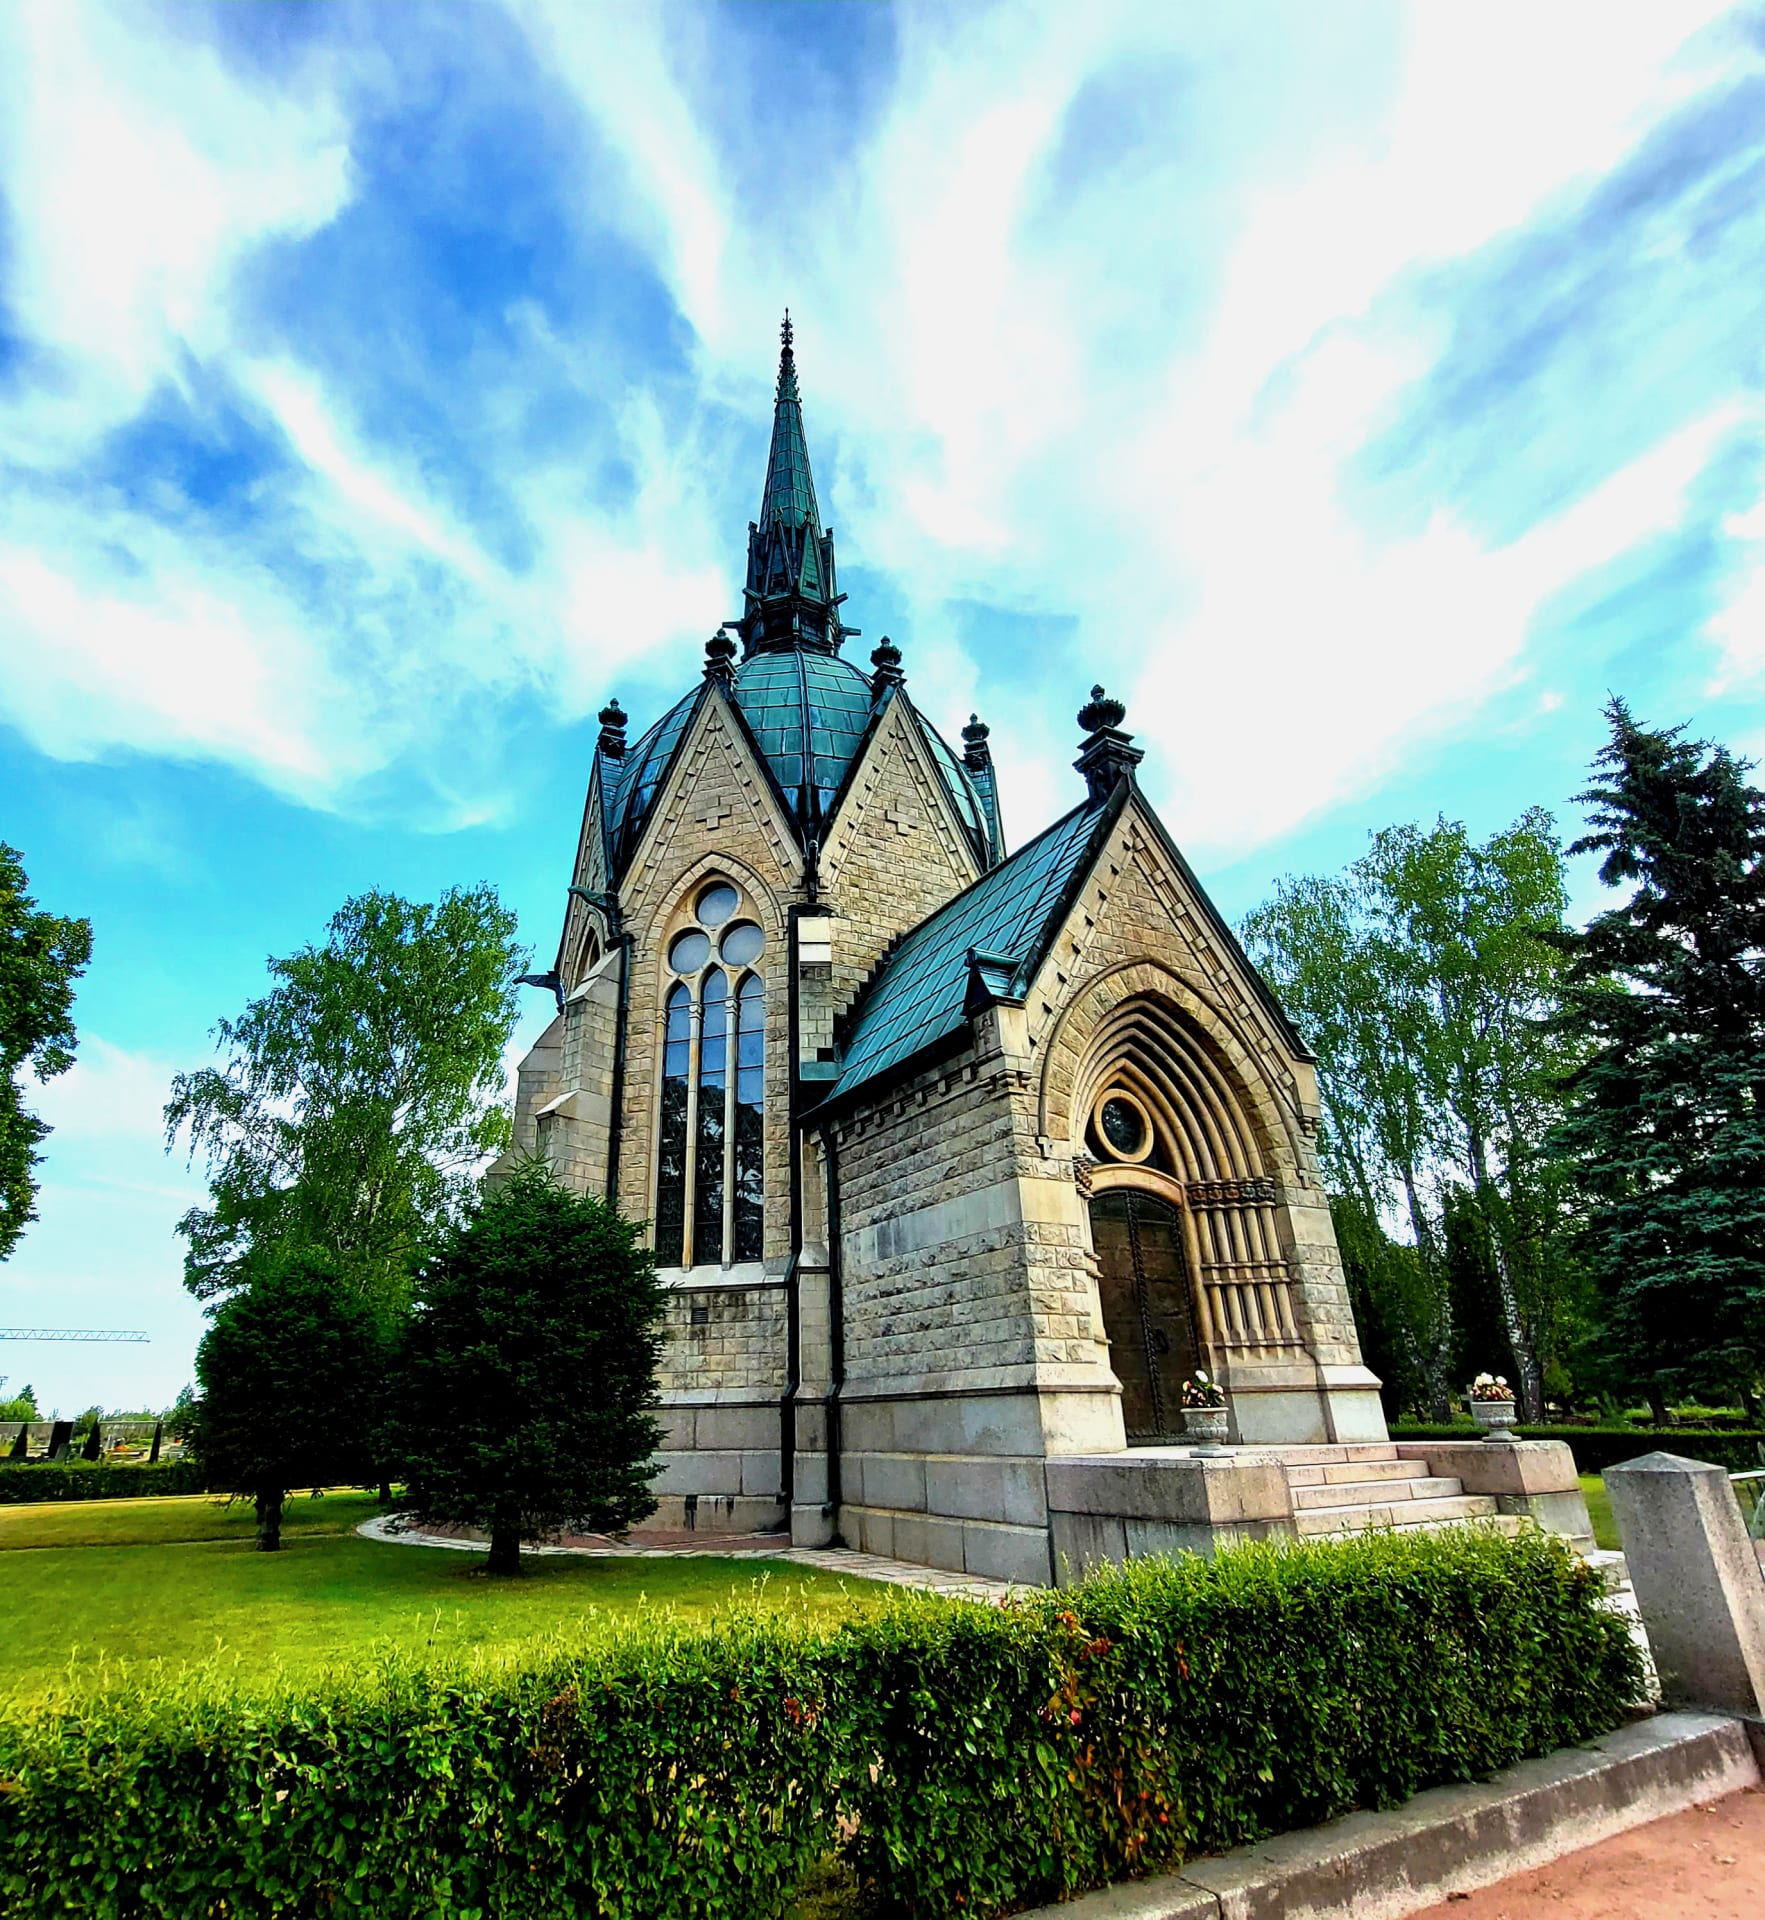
724, 1339
895, 855
717, 817
1137, 906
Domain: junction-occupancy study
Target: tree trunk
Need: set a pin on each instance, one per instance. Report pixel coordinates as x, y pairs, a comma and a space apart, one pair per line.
1432, 1361
1658, 1406
1530, 1385
385, 1493
505, 1544
269, 1520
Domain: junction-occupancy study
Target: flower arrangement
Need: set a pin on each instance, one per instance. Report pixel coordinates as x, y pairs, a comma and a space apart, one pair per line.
1491, 1387
1200, 1391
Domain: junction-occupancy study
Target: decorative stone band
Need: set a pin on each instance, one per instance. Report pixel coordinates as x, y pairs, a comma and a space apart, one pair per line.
1255, 1192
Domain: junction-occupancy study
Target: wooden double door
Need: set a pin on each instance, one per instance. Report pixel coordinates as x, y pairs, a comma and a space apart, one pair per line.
1147, 1314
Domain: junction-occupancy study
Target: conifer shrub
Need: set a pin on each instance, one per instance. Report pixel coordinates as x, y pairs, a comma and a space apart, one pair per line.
968, 1759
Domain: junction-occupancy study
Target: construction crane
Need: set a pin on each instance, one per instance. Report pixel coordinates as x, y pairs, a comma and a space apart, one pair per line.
72, 1333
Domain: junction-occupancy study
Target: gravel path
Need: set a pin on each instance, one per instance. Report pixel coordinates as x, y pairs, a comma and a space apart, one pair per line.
1706, 1864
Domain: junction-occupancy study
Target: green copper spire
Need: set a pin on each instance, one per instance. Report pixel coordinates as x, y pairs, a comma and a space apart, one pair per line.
791, 599
790, 492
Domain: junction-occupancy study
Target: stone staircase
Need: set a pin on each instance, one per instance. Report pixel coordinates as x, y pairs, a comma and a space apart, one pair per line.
1339, 1491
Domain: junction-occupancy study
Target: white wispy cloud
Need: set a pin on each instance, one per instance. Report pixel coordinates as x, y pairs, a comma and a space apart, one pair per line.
1101, 309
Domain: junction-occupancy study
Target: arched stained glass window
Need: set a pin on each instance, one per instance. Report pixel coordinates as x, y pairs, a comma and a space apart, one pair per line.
711, 1143
713, 1118
748, 1160
671, 1143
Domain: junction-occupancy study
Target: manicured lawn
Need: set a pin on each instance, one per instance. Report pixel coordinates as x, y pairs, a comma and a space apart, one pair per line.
177, 1580
1599, 1511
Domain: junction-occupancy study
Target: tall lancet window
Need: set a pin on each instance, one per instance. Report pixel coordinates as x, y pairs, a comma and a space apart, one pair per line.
747, 1190
713, 1117
671, 1143
710, 1148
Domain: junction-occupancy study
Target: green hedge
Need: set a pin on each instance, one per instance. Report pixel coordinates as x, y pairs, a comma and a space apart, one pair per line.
967, 1759
1597, 1448
97, 1480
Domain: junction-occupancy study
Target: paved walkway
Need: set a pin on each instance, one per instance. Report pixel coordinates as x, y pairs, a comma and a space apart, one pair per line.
1705, 1864
396, 1528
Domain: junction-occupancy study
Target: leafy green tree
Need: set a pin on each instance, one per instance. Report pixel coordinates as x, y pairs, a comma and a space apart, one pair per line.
293, 1377
1419, 977
21, 1405
359, 1096
41, 956
528, 1369
1665, 1132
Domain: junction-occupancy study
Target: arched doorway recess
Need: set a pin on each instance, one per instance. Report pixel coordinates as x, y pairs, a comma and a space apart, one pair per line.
1166, 1123
1143, 1281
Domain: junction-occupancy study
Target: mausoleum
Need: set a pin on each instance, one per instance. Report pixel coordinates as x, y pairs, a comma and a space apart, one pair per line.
957, 1160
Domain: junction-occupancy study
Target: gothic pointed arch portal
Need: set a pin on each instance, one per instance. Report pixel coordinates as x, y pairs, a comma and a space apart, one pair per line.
1183, 1212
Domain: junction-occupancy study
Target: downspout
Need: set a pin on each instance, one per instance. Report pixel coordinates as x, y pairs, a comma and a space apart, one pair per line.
793, 1335
616, 1118
836, 1315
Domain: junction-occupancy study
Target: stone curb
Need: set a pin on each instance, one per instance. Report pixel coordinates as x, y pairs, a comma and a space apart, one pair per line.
1381, 1866
387, 1529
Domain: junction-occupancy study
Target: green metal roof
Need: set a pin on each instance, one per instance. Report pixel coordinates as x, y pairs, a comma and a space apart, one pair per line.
919, 994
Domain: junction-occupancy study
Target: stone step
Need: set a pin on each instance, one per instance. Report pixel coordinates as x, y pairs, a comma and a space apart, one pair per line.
1508, 1523
1355, 1472
1398, 1513
1324, 1456
1374, 1493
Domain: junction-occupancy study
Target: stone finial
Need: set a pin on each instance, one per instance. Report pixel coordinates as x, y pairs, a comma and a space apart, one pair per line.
977, 756
612, 740
886, 659
1101, 713
720, 657
1108, 756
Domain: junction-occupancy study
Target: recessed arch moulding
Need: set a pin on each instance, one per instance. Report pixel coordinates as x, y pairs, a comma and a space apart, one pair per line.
1230, 1130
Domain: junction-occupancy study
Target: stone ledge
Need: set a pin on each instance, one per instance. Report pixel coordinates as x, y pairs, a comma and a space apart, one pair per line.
1381, 1866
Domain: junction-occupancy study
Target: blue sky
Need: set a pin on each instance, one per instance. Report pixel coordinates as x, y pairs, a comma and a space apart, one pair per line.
1361, 391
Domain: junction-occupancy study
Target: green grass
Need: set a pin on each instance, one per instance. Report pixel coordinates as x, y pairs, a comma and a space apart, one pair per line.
1599, 1511
178, 1580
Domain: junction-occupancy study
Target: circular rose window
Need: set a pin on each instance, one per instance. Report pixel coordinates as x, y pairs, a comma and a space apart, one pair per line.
1123, 1127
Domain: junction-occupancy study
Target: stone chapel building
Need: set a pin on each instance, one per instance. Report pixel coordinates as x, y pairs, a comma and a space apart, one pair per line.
957, 1159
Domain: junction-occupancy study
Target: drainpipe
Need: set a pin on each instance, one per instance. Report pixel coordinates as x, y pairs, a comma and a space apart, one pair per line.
836, 1314
616, 1118
793, 1335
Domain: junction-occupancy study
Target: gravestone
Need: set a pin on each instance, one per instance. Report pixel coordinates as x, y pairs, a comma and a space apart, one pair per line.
1696, 1577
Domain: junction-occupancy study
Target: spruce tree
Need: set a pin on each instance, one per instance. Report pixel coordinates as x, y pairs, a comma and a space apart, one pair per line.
529, 1369
1665, 1129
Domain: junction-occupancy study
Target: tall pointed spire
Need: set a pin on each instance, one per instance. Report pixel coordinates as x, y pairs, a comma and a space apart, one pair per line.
790, 491
790, 599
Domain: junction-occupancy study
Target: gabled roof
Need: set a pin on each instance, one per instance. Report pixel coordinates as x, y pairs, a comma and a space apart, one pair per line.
919, 995
809, 714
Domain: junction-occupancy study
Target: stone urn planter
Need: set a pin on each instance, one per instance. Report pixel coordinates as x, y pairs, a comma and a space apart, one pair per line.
1206, 1425
1493, 1416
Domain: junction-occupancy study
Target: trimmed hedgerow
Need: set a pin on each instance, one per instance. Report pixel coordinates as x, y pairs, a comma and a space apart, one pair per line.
98, 1480
1596, 1448
661, 1772
1180, 1707
967, 1759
